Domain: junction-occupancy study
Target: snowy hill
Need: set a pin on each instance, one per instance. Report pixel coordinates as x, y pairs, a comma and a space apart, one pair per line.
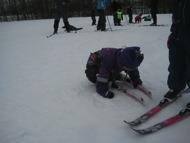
46, 98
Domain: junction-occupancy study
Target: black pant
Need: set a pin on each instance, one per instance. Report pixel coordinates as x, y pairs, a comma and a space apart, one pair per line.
102, 20
115, 18
154, 16
179, 67
58, 16
130, 18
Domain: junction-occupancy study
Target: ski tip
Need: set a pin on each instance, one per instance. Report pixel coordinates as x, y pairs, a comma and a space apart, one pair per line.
129, 123
126, 122
139, 132
135, 130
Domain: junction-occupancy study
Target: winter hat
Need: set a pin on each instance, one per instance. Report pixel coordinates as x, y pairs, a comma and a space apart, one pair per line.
130, 57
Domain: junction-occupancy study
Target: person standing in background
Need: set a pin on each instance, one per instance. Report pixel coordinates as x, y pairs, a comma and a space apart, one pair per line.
153, 11
101, 6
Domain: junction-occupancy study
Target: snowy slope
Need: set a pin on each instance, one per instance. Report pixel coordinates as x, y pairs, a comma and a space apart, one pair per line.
46, 98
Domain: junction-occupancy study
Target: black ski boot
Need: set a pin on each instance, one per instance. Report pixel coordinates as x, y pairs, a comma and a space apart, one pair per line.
187, 109
67, 26
169, 96
55, 32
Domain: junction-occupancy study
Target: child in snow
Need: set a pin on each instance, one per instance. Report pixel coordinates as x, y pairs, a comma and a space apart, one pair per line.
119, 16
138, 18
105, 66
62, 12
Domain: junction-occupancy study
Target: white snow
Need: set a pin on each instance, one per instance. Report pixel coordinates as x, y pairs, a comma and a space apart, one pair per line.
45, 96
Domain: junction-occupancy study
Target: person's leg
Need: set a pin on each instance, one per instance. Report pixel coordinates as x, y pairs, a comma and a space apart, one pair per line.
115, 18
93, 20
99, 20
103, 21
130, 18
91, 72
187, 54
154, 17
177, 68
65, 21
188, 69
56, 23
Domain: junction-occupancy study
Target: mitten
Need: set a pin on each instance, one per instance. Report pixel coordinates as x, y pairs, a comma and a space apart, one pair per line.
114, 85
109, 94
171, 39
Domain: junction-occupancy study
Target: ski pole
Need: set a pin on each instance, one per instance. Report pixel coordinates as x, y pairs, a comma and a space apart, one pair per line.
109, 22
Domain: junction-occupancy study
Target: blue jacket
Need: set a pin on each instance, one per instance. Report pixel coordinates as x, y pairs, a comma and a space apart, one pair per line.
102, 4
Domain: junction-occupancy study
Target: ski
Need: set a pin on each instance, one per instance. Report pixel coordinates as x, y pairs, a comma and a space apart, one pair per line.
138, 99
165, 123
75, 29
141, 88
158, 25
144, 90
163, 103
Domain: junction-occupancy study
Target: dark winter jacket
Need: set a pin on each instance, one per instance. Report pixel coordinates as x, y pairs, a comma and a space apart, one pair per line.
181, 18
62, 5
112, 62
129, 10
154, 6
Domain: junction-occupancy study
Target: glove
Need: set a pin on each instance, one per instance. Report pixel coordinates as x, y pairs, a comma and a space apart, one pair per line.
114, 85
109, 95
171, 40
137, 82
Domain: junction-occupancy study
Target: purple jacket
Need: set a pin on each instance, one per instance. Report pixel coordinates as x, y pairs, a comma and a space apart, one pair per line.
112, 62
107, 65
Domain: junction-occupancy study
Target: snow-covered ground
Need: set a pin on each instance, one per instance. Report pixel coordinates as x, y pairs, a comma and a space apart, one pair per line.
46, 98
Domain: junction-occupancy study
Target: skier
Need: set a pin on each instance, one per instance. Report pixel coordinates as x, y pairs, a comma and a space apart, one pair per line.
61, 11
130, 14
101, 6
179, 49
105, 66
119, 16
138, 18
153, 11
115, 6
